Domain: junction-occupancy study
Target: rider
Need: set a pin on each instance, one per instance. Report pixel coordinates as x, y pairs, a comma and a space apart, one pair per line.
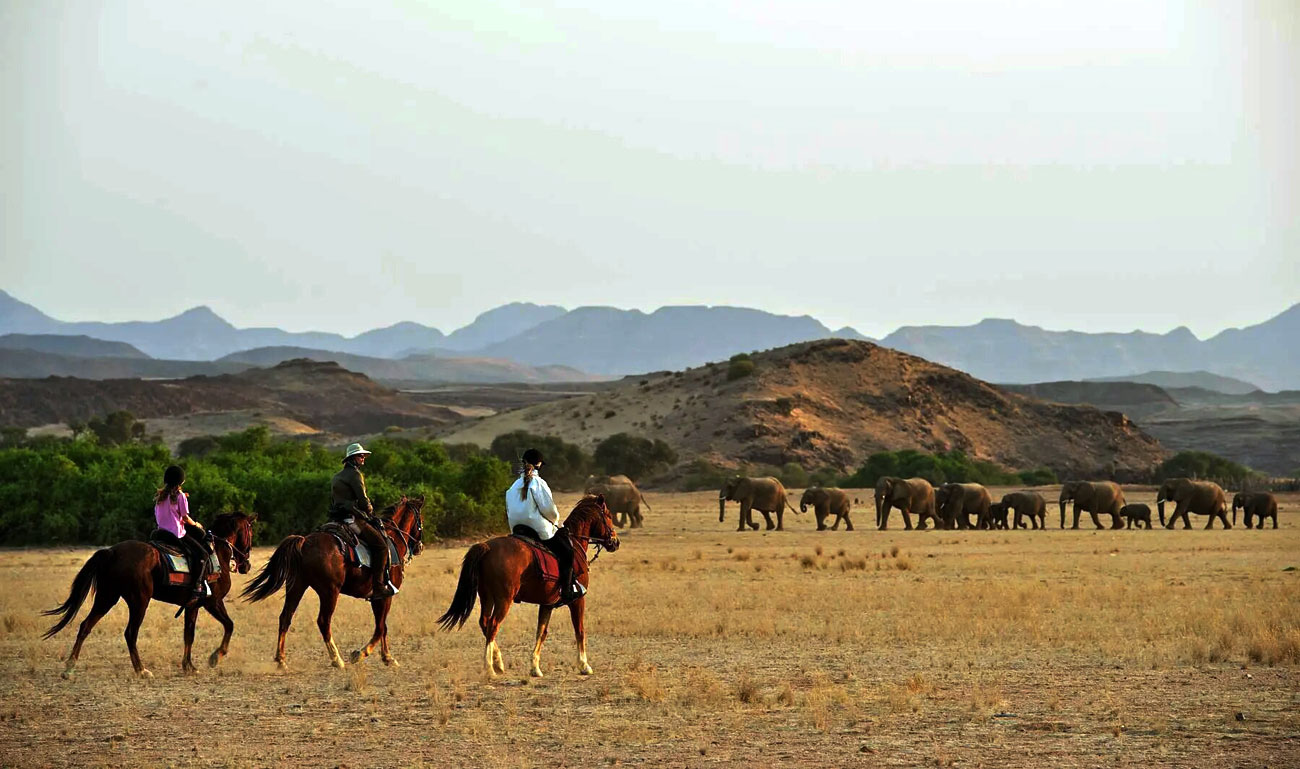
351, 506
529, 506
171, 509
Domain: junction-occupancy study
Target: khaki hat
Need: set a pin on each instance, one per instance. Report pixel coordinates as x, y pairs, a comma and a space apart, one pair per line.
353, 449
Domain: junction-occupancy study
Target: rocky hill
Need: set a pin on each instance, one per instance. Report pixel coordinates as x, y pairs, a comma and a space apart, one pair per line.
834, 402
322, 396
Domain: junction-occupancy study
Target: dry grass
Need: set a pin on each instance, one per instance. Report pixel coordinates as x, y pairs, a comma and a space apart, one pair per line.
713, 647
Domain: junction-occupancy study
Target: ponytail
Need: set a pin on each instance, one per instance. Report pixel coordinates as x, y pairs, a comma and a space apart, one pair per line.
529, 471
167, 492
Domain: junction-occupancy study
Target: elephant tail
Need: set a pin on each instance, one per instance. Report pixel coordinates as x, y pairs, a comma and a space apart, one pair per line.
642, 496
786, 500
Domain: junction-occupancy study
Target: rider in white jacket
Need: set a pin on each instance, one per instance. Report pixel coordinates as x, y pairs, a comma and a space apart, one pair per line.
530, 506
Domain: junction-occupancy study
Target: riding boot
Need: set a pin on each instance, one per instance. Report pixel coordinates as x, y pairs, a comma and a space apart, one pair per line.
562, 547
198, 566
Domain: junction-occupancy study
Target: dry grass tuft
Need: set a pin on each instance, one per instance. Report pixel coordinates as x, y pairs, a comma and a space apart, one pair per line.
903, 564
746, 690
893, 551
742, 555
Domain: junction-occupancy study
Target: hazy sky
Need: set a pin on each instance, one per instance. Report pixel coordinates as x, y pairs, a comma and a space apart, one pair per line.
338, 166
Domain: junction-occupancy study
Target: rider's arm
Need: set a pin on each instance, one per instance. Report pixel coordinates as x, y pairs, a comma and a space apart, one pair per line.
358, 484
544, 501
183, 506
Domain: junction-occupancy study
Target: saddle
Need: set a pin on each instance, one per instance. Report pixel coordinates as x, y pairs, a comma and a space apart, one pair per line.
355, 552
176, 564
547, 562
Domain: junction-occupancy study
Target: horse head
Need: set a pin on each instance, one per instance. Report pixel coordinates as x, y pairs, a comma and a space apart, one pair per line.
591, 520
407, 516
236, 530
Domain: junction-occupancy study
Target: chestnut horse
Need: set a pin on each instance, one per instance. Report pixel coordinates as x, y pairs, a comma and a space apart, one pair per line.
503, 571
315, 561
133, 571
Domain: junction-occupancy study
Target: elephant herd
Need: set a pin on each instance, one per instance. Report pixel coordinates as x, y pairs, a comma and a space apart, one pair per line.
956, 505
970, 506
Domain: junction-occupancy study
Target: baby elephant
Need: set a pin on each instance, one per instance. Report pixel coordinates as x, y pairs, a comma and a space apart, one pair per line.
998, 516
1139, 513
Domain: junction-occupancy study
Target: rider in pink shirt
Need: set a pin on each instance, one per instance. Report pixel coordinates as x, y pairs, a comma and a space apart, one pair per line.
171, 509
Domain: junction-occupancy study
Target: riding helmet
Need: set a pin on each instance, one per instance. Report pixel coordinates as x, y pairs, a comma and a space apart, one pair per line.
533, 457
174, 476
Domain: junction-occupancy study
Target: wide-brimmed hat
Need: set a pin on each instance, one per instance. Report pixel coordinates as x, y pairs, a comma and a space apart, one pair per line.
354, 449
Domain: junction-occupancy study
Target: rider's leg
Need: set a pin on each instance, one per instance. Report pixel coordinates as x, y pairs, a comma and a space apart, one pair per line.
562, 547
378, 560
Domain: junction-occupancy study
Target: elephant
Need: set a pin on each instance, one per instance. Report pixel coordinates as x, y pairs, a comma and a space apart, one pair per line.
1136, 513
909, 495
1093, 497
1028, 504
827, 502
1255, 504
765, 495
1200, 497
622, 496
955, 502
998, 516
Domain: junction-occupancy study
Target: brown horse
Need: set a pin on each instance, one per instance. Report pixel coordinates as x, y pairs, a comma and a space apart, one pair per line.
315, 561
133, 571
504, 570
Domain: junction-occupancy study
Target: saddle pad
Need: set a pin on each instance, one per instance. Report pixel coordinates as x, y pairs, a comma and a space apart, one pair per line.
363, 554
546, 561
179, 564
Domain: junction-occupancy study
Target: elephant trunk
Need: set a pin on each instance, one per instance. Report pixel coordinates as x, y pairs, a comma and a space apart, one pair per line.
1160, 505
722, 509
1234, 512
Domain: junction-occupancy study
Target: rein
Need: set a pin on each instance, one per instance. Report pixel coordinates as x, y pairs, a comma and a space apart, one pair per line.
408, 540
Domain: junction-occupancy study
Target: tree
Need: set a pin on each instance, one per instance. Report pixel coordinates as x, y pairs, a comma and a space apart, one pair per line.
633, 456
117, 429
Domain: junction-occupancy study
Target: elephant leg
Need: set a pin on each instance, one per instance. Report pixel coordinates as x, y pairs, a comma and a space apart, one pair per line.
1182, 510
848, 523
780, 519
1115, 522
767, 519
821, 521
744, 517
1077, 513
907, 518
1095, 520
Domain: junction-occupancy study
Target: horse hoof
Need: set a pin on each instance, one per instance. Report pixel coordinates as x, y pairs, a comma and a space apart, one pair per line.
585, 670
535, 673
189, 670
390, 662
356, 657
144, 673
67, 675
282, 664
338, 663
214, 659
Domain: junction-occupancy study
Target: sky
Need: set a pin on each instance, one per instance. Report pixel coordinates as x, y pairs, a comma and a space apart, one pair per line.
1101, 166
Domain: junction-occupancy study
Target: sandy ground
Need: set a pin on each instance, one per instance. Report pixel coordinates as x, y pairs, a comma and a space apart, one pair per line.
712, 647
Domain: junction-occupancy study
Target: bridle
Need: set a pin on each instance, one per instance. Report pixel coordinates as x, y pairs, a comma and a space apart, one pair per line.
601, 543
411, 541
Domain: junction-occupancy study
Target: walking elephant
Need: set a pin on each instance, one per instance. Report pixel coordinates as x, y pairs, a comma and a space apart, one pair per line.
1026, 504
1094, 498
1200, 497
765, 495
1135, 516
1255, 504
909, 495
622, 497
827, 502
956, 502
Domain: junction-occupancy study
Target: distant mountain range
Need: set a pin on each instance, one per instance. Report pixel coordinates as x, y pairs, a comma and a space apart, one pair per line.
610, 341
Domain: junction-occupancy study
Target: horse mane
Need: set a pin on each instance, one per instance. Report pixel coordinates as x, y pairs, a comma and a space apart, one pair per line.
590, 507
415, 503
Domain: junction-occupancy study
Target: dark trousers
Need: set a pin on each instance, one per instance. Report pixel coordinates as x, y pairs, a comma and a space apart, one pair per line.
195, 547
378, 546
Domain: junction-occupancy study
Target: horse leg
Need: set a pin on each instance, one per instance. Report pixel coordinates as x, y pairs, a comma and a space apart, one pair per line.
543, 621
328, 600
103, 602
576, 611
137, 605
490, 622
292, 595
191, 619
218, 610
380, 609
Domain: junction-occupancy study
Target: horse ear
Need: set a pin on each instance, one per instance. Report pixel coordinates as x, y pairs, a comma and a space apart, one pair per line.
600, 498
252, 518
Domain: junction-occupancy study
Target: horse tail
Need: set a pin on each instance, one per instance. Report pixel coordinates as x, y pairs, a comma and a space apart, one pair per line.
462, 603
284, 561
86, 581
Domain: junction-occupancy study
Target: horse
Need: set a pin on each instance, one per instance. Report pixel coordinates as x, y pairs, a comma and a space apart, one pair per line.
504, 570
316, 561
133, 571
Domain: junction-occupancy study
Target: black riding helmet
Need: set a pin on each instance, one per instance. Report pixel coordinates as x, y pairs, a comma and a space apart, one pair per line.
174, 476
533, 457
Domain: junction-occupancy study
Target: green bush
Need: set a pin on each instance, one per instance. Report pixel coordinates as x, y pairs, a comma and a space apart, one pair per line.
945, 467
633, 456
81, 491
1042, 476
567, 465
739, 369
702, 474
1205, 466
